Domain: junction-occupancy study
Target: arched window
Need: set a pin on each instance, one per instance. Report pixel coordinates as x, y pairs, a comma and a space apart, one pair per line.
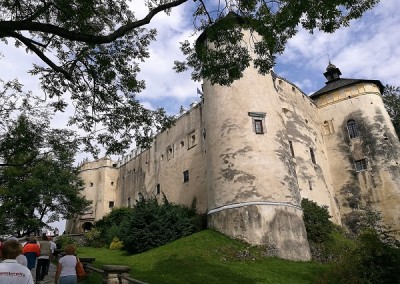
352, 128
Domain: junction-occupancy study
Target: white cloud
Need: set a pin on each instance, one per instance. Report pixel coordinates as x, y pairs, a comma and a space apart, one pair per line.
369, 48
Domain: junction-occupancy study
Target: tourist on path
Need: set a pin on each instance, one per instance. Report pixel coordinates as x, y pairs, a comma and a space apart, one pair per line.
31, 251
43, 261
66, 268
12, 272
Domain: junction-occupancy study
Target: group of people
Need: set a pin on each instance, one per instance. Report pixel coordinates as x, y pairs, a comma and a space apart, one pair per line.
19, 261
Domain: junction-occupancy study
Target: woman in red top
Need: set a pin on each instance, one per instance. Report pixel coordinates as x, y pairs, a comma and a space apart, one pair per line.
31, 251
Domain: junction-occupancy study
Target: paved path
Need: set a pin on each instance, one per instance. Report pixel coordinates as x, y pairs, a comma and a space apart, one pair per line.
48, 278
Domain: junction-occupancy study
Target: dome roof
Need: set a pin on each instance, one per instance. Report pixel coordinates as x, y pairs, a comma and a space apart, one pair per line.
330, 67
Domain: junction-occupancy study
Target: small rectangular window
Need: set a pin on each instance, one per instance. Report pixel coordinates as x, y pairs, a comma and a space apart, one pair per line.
111, 204
291, 148
312, 156
129, 202
361, 165
112, 183
91, 184
186, 176
158, 189
258, 126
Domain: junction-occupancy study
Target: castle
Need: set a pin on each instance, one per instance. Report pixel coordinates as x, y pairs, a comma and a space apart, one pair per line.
250, 152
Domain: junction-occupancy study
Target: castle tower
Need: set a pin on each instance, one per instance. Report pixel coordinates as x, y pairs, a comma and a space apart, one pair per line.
100, 179
362, 147
253, 193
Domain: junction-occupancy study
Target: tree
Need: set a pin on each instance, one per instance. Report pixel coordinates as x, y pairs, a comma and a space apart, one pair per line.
37, 179
316, 220
391, 99
90, 51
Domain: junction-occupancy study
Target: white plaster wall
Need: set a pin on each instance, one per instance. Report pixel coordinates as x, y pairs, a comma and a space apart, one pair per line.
158, 165
378, 143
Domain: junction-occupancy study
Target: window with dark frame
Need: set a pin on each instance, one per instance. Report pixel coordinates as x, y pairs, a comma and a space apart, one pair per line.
291, 148
186, 176
158, 189
361, 165
110, 204
258, 121
258, 126
352, 129
312, 154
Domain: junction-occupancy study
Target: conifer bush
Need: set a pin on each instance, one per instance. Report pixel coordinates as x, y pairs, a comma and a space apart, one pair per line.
151, 224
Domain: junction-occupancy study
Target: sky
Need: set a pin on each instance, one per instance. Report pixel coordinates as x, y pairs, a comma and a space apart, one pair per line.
368, 49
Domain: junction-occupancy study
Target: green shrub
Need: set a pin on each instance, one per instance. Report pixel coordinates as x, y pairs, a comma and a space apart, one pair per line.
112, 233
93, 238
116, 244
105, 229
316, 220
370, 261
151, 224
62, 241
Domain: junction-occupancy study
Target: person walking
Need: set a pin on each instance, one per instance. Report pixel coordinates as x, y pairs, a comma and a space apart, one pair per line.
66, 267
43, 260
31, 250
12, 272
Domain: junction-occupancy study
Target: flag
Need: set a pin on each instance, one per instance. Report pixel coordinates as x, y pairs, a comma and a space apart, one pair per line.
199, 92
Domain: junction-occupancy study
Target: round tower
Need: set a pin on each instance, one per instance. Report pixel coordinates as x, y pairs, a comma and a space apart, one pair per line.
252, 188
363, 149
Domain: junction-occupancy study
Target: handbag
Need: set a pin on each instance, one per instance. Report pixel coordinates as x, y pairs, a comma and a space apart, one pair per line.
80, 271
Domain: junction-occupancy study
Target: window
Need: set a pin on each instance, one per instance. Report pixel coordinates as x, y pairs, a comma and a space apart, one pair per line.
112, 183
361, 165
182, 144
312, 156
158, 189
129, 202
186, 176
191, 139
291, 148
310, 184
170, 152
91, 184
352, 129
258, 121
258, 126
110, 204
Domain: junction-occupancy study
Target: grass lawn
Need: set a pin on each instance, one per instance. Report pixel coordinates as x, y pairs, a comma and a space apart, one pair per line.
205, 257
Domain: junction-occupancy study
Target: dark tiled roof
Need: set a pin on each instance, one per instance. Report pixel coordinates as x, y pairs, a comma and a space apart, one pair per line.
340, 83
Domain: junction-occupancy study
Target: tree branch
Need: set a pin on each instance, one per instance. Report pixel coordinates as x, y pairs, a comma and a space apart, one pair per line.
12, 26
40, 54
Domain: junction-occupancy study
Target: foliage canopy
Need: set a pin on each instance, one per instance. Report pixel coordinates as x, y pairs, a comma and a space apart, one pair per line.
391, 98
89, 51
38, 182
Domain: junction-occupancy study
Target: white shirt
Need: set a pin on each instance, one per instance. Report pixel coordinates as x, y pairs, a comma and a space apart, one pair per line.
68, 265
12, 272
21, 259
53, 246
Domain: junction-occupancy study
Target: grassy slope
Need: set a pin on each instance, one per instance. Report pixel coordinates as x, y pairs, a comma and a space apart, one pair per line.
206, 257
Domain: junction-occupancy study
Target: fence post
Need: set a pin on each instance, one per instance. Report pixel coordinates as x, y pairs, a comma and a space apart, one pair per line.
111, 272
